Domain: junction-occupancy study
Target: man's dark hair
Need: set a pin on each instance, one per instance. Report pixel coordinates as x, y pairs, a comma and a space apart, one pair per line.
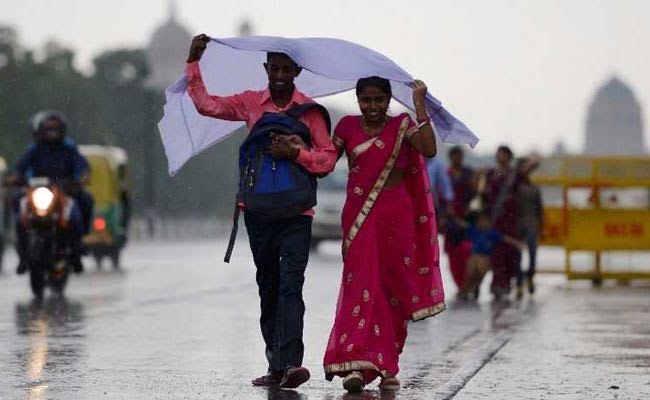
456, 151
374, 81
506, 150
270, 54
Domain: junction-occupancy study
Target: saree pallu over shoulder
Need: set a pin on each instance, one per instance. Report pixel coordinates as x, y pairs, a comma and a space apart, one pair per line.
391, 271
379, 182
427, 255
360, 149
427, 252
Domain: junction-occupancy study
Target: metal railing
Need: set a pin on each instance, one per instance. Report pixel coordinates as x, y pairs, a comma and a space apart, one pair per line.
604, 207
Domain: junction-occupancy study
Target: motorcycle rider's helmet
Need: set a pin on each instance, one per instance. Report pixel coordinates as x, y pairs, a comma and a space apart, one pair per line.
49, 127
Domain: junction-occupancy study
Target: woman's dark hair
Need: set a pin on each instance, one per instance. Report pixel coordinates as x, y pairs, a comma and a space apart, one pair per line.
375, 81
506, 150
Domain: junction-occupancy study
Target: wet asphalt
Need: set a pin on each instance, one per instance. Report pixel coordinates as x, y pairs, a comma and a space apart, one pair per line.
177, 323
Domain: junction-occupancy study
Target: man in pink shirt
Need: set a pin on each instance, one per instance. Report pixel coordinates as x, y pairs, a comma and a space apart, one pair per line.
280, 249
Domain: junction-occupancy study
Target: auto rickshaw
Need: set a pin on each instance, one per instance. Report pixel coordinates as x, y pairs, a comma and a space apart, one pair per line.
109, 187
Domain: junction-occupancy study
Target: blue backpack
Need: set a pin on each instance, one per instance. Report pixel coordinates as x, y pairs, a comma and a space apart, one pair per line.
273, 189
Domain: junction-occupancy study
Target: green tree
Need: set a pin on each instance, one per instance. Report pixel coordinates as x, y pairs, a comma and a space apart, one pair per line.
124, 67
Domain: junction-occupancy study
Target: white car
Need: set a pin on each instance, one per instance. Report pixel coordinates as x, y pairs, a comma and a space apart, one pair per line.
331, 196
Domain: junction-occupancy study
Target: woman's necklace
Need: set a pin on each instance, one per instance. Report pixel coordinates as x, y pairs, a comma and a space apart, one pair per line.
375, 131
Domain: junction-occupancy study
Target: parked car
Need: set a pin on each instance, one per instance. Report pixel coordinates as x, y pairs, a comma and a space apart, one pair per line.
331, 196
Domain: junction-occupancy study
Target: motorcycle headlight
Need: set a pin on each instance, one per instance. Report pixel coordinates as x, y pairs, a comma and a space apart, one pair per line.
42, 199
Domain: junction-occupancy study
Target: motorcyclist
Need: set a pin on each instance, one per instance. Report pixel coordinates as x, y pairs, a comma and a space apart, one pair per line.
56, 157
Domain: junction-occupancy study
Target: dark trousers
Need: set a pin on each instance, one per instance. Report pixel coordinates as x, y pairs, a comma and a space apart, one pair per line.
86, 205
281, 251
531, 243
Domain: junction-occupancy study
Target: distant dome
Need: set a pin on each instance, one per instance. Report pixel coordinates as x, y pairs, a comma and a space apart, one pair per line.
614, 124
167, 51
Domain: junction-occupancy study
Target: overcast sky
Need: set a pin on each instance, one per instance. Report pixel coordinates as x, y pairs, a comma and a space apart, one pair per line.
515, 71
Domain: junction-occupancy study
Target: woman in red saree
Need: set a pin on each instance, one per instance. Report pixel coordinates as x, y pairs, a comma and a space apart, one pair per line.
500, 195
463, 182
390, 242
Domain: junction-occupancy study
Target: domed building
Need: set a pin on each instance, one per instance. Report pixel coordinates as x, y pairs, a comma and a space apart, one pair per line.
167, 51
614, 123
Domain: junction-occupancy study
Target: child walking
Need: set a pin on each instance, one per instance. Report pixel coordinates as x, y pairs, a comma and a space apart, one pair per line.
484, 238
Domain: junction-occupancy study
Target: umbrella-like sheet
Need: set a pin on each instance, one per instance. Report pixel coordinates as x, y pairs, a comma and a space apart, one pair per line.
330, 66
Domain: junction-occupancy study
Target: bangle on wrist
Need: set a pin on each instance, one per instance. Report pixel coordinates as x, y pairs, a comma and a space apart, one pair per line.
422, 123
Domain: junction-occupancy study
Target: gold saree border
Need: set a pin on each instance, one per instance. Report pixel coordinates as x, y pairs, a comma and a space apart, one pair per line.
428, 311
362, 147
353, 366
377, 187
411, 132
338, 142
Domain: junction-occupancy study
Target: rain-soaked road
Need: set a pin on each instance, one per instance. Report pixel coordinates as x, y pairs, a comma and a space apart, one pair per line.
178, 323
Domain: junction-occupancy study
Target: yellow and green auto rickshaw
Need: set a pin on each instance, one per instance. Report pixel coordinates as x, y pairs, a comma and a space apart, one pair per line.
109, 187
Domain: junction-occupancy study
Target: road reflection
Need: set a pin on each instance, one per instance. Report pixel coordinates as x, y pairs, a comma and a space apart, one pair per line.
281, 394
275, 393
366, 395
48, 325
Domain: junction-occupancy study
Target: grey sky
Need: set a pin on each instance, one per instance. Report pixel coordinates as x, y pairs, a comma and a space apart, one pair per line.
519, 72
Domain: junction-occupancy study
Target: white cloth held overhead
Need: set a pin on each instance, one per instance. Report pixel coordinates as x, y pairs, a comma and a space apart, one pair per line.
330, 66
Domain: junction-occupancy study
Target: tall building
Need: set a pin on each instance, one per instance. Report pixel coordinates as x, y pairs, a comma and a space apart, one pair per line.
167, 51
614, 123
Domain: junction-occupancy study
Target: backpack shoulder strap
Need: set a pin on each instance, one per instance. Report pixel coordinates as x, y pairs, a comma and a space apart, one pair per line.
297, 112
233, 234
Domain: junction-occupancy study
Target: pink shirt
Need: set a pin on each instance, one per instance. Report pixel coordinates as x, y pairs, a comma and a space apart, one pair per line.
249, 106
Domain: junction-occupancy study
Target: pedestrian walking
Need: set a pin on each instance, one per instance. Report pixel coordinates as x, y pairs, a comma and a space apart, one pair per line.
483, 238
502, 183
531, 220
463, 183
279, 242
390, 248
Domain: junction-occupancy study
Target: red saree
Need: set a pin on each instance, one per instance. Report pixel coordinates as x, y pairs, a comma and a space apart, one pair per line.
505, 258
390, 242
457, 247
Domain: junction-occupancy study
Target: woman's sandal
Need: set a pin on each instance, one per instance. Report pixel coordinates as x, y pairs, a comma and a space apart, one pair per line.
353, 382
390, 383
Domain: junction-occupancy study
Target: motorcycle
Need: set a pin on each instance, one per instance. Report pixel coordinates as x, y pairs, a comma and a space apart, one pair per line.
45, 213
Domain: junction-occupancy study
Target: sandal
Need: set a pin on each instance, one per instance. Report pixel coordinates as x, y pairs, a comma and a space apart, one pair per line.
353, 382
270, 379
391, 383
294, 377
